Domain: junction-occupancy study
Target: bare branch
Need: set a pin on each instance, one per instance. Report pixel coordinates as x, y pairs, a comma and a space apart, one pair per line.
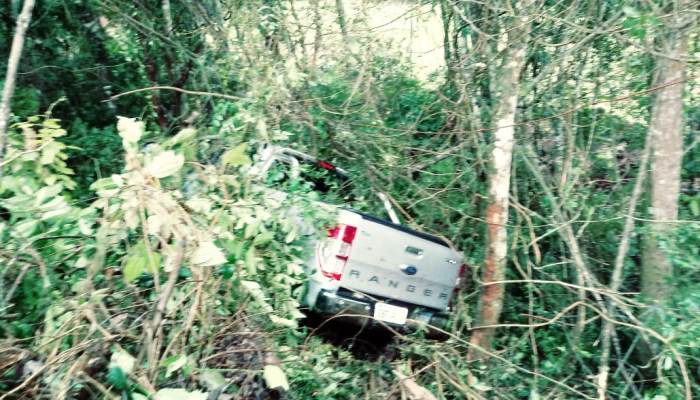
12, 63
177, 89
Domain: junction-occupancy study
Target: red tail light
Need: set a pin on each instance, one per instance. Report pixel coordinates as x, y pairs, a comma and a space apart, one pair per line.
462, 273
326, 165
462, 270
349, 234
333, 266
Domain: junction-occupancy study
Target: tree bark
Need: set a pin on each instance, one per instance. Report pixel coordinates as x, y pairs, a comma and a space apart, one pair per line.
505, 80
666, 132
13, 61
340, 9
167, 16
318, 27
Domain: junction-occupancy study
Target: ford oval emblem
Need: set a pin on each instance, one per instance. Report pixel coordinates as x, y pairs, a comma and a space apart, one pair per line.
409, 270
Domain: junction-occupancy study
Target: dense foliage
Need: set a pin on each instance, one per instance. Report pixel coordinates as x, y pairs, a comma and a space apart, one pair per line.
138, 258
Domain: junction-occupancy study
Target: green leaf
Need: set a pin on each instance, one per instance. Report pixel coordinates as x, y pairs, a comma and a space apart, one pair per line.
56, 207
261, 128
105, 187
256, 292
26, 228
291, 235
236, 156
635, 27
155, 262
250, 263
179, 394
122, 360
212, 379
263, 238
134, 267
481, 386
251, 229
165, 164
695, 207
137, 262
207, 254
275, 378
49, 152
117, 378
173, 364
80, 287
47, 192
630, 11
279, 321
184, 135
52, 123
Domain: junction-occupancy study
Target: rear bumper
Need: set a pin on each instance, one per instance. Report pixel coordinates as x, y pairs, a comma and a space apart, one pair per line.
360, 311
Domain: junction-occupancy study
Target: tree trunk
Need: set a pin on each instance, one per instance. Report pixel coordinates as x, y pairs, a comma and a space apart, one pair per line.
446, 15
13, 61
167, 16
505, 80
318, 28
616, 278
666, 132
340, 9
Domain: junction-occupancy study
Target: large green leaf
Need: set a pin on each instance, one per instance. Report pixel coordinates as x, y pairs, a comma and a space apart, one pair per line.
50, 151
236, 156
212, 379
207, 254
173, 363
139, 262
165, 164
275, 378
123, 360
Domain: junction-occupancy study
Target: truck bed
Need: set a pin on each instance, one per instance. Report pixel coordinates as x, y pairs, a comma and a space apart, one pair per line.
397, 262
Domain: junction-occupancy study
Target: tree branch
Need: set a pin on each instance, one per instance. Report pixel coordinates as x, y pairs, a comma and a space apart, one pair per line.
177, 89
12, 63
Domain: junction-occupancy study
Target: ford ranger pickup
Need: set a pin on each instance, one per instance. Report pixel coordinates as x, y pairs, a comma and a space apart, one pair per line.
379, 272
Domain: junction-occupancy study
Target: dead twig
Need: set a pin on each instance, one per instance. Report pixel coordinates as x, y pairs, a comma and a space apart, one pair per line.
154, 326
413, 390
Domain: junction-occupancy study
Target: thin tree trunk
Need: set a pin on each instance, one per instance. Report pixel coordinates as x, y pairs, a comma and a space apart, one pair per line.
168, 16
616, 279
449, 53
506, 84
340, 9
666, 131
13, 61
317, 37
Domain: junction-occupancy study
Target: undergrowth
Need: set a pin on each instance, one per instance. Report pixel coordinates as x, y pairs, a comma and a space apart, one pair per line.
182, 280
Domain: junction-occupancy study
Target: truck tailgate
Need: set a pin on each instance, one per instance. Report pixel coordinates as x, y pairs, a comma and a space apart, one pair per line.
396, 262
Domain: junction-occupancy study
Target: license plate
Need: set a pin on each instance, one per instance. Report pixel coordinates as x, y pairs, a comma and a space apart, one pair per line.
390, 313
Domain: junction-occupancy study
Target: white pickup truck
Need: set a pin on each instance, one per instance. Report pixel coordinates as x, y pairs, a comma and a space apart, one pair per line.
379, 270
